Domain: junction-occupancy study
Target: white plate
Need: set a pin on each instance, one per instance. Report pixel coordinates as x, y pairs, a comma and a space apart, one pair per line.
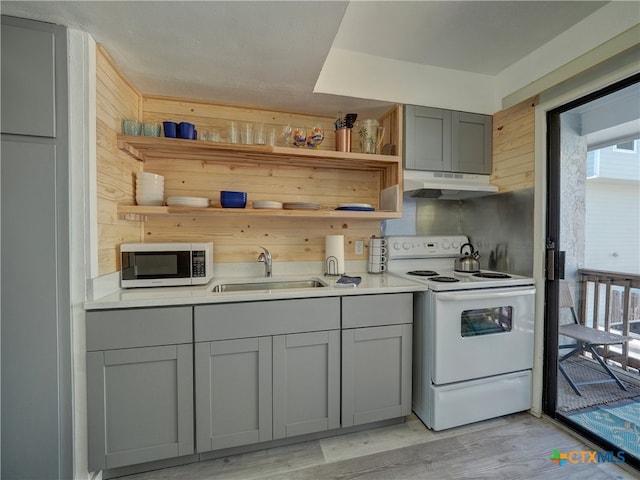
176, 201
301, 206
354, 205
267, 204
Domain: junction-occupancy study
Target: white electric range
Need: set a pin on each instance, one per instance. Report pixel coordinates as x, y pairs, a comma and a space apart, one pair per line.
473, 334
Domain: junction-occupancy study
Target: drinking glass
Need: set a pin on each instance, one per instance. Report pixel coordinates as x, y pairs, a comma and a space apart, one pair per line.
259, 137
233, 135
299, 137
286, 135
315, 137
246, 133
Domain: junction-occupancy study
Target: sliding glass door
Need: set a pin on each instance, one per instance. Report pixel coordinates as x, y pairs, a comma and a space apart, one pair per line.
592, 340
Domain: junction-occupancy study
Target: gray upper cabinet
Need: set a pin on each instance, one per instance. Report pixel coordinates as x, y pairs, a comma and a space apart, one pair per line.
28, 80
427, 138
139, 398
376, 357
445, 140
471, 143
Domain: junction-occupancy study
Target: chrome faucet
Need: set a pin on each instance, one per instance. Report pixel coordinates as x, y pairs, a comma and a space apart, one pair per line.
265, 257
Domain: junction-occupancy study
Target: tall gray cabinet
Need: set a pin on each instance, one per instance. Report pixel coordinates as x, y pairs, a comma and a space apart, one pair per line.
36, 314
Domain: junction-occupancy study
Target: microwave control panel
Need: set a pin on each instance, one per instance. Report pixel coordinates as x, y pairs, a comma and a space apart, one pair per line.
198, 263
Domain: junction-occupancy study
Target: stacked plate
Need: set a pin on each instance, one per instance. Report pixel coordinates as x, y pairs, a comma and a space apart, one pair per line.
149, 189
301, 206
267, 204
356, 207
198, 202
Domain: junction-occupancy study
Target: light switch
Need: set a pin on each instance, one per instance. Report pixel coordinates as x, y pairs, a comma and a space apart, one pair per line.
359, 247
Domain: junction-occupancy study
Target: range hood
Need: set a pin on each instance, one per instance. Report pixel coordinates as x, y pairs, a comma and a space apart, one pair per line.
447, 185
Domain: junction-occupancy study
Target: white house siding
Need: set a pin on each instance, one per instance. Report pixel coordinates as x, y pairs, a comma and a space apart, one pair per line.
613, 225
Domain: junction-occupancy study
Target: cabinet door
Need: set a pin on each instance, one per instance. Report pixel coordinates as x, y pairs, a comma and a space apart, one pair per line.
427, 138
376, 374
306, 383
233, 393
471, 143
140, 405
28, 79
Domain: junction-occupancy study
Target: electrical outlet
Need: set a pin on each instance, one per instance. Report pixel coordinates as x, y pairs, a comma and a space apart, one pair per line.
359, 247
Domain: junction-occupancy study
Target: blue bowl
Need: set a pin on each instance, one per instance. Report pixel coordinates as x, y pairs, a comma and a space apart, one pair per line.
233, 199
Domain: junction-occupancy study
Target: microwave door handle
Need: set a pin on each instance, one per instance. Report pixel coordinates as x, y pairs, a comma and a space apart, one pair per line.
457, 297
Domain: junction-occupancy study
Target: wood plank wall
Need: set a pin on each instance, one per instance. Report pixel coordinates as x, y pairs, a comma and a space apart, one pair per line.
236, 239
514, 147
116, 99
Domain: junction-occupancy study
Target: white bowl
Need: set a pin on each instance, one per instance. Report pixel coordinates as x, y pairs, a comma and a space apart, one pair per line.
150, 184
143, 181
149, 176
153, 195
149, 202
150, 189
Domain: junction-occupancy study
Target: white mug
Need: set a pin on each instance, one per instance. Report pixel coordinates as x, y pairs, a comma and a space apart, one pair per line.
377, 259
377, 251
377, 242
377, 267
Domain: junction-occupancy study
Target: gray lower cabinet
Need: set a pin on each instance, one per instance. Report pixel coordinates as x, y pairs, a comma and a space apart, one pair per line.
376, 357
233, 393
446, 140
139, 386
306, 383
282, 383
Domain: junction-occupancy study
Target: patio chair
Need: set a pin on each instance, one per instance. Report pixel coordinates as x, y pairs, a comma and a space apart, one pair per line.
587, 339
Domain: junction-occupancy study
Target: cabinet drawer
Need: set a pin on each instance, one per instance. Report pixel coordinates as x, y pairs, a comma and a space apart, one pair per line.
113, 329
257, 319
374, 310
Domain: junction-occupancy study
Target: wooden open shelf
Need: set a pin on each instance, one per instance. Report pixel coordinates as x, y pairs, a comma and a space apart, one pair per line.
143, 211
145, 148
160, 148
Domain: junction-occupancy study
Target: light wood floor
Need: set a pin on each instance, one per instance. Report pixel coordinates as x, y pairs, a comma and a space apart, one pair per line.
512, 447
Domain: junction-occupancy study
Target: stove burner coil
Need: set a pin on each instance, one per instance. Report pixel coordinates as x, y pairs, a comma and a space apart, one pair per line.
423, 273
491, 275
445, 279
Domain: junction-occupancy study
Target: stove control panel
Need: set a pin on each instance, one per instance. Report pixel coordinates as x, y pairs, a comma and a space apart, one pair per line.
424, 246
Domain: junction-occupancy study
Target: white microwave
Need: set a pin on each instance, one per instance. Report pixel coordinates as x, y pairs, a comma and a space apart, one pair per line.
165, 264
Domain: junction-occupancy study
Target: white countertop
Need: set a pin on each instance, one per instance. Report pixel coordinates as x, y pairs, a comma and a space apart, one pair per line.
201, 294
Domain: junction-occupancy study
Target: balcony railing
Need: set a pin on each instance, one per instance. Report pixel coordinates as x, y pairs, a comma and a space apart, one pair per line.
610, 301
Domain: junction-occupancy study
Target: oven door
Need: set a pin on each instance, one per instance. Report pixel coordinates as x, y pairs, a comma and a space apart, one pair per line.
480, 333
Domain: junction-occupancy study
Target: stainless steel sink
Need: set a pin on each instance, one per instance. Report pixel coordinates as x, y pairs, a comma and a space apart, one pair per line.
267, 285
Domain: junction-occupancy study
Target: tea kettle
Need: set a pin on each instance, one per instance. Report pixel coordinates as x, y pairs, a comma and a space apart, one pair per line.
469, 262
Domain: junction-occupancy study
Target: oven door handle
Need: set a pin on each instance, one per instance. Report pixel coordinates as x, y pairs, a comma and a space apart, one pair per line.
485, 295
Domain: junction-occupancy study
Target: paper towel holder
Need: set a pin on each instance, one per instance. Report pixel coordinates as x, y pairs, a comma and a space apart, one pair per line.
331, 267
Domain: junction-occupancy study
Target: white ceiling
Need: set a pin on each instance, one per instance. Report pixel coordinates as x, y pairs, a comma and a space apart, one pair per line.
271, 54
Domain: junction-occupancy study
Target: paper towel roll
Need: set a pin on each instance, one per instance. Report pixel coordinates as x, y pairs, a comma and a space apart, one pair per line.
334, 258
